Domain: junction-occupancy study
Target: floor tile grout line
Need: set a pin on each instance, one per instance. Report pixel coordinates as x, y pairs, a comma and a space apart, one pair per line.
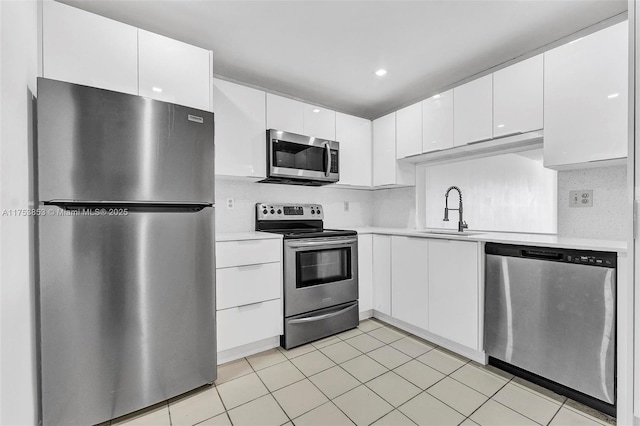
583, 414
488, 399
271, 393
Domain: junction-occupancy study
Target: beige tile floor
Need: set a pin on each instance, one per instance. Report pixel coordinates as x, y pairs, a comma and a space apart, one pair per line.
374, 374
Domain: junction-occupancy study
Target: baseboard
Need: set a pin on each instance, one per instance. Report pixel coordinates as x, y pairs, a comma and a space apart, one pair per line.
366, 314
248, 349
477, 356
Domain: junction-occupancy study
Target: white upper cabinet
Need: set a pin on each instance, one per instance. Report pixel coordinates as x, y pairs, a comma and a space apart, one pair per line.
409, 131
240, 129
454, 291
437, 122
386, 168
175, 72
285, 114
517, 98
473, 111
84, 48
319, 122
354, 136
409, 276
585, 99
384, 150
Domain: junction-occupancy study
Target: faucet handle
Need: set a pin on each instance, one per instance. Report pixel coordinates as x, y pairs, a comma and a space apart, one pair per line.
464, 224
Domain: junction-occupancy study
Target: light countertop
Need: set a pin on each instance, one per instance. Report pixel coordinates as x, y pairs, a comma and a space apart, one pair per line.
542, 240
243, 236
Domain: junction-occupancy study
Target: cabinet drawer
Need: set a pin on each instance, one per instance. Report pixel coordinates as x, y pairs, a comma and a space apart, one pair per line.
242, 285
246, 324
247, 252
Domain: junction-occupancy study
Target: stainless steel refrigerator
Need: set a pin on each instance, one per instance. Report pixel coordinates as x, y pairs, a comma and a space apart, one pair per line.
125, 261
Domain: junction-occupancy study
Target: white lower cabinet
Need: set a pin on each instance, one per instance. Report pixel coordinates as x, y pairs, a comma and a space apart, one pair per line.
248, 291
454, 291
382, 274
409, 275
242, 325
365, 272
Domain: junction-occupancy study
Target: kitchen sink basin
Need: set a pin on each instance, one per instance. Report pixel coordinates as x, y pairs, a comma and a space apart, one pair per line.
450, 232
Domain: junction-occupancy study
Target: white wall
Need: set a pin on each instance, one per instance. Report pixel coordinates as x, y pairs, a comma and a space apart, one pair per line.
507, 193
394, 208
607, 218
246, 194
18, 71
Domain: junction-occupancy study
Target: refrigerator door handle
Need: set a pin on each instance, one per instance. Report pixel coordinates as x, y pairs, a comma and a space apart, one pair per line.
129, 205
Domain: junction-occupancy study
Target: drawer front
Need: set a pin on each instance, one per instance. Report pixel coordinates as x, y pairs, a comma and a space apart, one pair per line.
242, 285
246, 324
247, 252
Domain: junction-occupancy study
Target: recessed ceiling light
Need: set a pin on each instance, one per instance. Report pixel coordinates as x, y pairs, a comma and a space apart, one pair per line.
436, 96
157, 89
381, 72
316, 110
613, 95
500, 126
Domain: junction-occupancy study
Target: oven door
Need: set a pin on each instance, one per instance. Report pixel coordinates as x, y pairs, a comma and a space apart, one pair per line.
293, 156
319, 272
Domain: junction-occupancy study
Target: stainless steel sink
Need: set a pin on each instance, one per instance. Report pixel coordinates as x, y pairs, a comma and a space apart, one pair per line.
450, 232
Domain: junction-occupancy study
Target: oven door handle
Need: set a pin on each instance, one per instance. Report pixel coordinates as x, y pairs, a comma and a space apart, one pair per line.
321, 317
319, 242
327, 158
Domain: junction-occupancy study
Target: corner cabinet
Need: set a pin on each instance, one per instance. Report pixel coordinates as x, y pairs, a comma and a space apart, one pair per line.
84, 48
454, 287
240, 129
172, 71
585, 100
409, 131
387, 170
354, 136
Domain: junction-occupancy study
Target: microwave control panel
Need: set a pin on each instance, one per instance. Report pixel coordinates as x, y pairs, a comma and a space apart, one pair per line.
334, 161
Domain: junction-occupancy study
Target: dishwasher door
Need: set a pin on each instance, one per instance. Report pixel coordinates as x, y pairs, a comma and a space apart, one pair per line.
553, 315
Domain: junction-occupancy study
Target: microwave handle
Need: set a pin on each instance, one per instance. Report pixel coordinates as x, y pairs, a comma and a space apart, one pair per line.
327, 158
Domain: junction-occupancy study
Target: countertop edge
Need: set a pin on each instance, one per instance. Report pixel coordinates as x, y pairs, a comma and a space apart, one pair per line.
244, 236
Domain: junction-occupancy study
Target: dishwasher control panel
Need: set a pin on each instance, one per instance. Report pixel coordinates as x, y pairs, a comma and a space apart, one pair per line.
582, 257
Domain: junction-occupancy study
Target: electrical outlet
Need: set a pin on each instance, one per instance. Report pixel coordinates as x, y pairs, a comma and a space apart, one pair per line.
346, 206
230, 203
581, 198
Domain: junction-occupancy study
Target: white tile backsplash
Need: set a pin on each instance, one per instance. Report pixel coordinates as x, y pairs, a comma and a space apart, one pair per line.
394, 208
609, 217
245, 194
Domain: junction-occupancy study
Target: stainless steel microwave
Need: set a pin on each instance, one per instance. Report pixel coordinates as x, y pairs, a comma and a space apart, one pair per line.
301, 160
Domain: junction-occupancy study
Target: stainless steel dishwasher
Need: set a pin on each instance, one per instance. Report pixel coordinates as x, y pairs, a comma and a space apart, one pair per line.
550, 318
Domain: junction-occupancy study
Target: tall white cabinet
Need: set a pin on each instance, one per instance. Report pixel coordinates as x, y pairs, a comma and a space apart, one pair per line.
409, 280
585, 99
387, 170
240, 129
354, 135
84, 48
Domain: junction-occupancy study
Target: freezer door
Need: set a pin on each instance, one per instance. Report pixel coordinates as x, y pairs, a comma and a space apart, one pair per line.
554, 319
126, 309
96, 144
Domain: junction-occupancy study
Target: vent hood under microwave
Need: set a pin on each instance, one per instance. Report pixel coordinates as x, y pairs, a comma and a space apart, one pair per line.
301, 160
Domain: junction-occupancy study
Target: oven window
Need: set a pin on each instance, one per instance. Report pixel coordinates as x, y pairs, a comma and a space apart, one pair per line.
298, 156
322, 266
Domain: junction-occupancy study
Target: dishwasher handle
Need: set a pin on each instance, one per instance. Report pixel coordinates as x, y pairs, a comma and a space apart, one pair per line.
541, 254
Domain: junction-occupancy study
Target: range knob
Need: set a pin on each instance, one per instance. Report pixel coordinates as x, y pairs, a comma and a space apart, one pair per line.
279, 211
272, 211
313, 212
265, 211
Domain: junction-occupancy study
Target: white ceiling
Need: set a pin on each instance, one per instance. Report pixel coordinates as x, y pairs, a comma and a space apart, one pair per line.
326, 52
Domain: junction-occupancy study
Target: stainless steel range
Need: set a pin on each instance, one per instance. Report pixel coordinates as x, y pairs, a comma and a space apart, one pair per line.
320, 272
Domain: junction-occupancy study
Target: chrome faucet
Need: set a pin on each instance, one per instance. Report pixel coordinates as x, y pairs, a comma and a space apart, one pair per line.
462, 225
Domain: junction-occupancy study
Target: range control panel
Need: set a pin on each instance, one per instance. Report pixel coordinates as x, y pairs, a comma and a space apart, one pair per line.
268, 211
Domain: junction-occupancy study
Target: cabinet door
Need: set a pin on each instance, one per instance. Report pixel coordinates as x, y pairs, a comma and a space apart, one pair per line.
585, 98
365, 272
472, 111
285, 114
84, 48
437, 122
384, 150
409, 131
382, 274
453, 291
517, 97
240, 117
172, 71
354, 135
319, 122
409, 276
